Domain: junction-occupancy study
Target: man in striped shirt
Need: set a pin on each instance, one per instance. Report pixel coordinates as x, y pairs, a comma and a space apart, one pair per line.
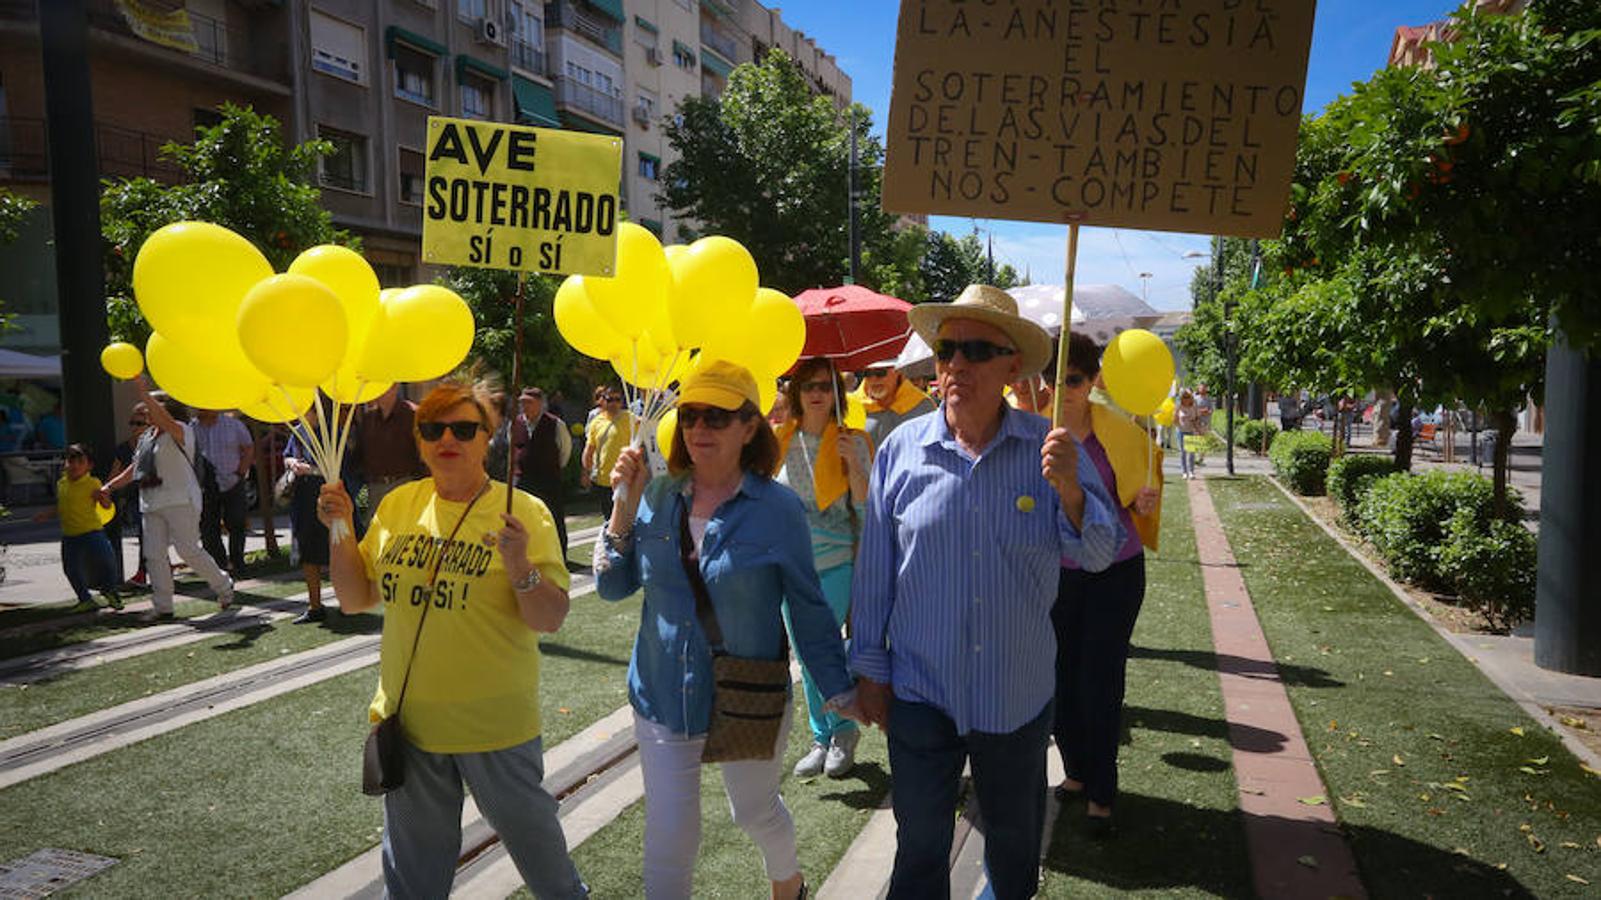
970, 511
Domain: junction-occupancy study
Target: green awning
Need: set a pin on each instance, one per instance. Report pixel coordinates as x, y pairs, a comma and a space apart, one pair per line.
644, 24
613, 8
653, 226
465, 63
536, 105
579, 123
683, 49
718, 8
395, 33
653, 158
714, 63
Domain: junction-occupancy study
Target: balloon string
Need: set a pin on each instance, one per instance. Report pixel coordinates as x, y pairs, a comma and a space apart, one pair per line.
350, 423
329, 465
310, 437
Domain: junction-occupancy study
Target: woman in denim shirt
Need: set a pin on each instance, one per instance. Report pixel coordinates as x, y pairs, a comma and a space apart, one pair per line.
754, 551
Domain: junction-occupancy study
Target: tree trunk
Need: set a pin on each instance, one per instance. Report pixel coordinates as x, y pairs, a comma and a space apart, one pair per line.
1505, 425
1403, 436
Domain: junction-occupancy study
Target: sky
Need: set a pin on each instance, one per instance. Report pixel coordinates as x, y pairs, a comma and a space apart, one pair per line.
1350, 41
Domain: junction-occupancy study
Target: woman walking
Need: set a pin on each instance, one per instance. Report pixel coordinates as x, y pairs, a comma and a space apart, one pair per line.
1188, 417
827, 467
1095, 612
466, 590
717, 526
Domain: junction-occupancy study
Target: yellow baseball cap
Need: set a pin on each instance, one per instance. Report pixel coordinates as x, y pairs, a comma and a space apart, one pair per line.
719, 383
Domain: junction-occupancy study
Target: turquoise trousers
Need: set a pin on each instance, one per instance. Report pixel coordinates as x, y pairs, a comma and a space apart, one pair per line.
837, 591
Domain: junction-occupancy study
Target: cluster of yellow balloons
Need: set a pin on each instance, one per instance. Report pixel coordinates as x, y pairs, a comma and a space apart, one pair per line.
229, 333
1138, 370
665, 302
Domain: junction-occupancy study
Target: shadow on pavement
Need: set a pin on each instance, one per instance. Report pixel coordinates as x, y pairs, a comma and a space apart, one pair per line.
551, 648
1300, 676
1245, 738
869, 783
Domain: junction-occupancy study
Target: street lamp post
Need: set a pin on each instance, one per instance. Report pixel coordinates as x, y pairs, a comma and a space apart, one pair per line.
1145, 287
1228, 355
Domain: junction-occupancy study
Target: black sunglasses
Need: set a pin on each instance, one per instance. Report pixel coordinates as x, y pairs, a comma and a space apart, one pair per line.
876, 373
975, 351
463, 431
810, 387
1075, 380
713, 417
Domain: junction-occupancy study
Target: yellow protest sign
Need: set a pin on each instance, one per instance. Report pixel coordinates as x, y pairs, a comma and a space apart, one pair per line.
1166, 115
504, 196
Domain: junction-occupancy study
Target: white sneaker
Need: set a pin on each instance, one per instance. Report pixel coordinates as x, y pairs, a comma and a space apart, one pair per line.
225, 597
812, 763
842, 753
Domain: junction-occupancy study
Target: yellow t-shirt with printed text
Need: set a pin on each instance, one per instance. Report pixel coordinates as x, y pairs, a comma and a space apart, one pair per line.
75, 505
610, 437
475, 681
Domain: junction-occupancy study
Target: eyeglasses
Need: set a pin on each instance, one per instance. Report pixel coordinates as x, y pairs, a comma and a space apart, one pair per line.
462, 431
975, 351
614, 399
1075, 380
876, 373
712, 417
815, 387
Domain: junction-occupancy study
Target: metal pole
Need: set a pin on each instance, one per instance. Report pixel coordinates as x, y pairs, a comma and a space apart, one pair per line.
855, 211
75, 217
1228, 353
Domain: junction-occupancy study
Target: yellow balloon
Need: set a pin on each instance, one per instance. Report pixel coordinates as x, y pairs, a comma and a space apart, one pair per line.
106, 513
580, 325
776, 333
275, 407
122, 360
190, 277
420, 333
1138, 369
855, 412
352, 280
766, 391
203, 377
665, 430
638, 364
714, 282
637, 294
292, 328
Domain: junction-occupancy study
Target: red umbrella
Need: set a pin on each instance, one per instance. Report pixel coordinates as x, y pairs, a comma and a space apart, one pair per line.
853, 326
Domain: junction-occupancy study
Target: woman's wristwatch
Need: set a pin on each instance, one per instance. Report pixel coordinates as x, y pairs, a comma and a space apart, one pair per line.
527, 582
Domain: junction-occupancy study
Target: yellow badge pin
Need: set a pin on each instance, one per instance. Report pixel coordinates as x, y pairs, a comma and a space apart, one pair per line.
1025, 503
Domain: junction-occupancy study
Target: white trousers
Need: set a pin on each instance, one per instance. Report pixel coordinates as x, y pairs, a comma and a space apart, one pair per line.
671, 766
177, 527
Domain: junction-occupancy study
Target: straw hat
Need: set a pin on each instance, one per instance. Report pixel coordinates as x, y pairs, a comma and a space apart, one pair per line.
992, 306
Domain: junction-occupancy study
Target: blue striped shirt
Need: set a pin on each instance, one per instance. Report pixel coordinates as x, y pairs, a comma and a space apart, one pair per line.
958, 570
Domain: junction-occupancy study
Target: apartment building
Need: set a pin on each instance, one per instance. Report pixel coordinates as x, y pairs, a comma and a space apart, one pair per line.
366, 75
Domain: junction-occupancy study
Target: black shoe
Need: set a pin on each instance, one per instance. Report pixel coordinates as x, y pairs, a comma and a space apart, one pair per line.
1098, 828
1065, 794
313, 614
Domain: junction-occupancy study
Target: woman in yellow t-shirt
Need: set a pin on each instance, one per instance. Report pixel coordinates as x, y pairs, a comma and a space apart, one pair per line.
466, 590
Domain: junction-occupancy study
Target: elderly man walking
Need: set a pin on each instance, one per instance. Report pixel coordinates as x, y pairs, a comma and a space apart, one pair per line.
890, 400
970, 512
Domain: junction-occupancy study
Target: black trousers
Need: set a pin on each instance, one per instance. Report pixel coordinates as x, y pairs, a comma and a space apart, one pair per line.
552, 496
225, 508
1094, 618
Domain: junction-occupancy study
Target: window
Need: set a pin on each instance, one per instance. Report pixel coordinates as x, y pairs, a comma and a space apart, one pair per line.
683, 57
338, 48
346, 167
647, 101
649, 166
204, 117
645, 33
472, 10
477, 95
580, 74
603, 83
411, 176
414, 75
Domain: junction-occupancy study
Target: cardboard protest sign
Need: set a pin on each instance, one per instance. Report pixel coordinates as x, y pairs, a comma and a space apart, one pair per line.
1175, 115
527, 199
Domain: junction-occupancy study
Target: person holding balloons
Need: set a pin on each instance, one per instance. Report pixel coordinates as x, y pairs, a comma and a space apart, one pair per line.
718, 512
169, 500
466, 590
826, 465
1095, 612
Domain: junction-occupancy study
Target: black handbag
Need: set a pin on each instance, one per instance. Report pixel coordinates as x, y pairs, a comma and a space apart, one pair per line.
749, 696
383, 758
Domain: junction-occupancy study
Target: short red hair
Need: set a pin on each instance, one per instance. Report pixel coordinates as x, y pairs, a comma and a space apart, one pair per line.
452, 393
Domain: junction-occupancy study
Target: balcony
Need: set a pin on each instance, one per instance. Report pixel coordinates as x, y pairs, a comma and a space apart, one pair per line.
237, 49
719, 41
597, 30
123, 152
587, 100
529, 58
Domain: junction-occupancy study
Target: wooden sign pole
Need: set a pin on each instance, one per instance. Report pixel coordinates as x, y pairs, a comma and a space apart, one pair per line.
1067, 325
516, 374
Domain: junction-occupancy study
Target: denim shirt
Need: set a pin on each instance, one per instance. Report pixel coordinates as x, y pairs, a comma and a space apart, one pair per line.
756, 556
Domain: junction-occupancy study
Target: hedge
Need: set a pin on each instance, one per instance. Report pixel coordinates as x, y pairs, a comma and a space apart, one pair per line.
1351, 475
1248, 434
1301, 458
1410, 519
1494, 569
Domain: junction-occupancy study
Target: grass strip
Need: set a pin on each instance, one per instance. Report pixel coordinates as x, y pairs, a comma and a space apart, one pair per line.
1443, 784
828, 813
1179, 827
77, 692
110, 623
263, 799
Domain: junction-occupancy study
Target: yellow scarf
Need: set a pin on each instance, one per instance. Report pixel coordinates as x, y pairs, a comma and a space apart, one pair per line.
828, 470
1128, 448
907, 396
